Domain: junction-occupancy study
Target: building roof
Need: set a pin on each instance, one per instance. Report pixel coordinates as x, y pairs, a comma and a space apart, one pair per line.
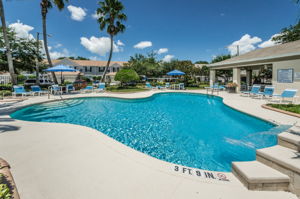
85, 62
277, 52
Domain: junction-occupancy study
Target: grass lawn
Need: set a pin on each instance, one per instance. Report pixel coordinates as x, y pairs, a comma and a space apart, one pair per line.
294, 108
126, 90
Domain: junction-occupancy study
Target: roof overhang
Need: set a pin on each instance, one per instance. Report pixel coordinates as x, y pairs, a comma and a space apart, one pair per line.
255, 61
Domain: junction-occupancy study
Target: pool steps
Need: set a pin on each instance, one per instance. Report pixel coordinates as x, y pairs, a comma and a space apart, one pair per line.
289, 140
276, 168
257, 176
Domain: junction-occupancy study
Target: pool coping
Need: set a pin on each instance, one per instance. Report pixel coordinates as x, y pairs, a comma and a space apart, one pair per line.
171, 166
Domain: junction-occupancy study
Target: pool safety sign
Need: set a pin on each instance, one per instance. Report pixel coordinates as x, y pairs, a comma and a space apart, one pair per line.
220, 176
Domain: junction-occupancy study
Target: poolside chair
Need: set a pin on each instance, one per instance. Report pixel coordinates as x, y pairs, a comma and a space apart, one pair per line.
56, 89
37, 90
286, 94
101, 87
69, 88
181, 86
148, 85
268, 92
19, 90
88, 89
254, 91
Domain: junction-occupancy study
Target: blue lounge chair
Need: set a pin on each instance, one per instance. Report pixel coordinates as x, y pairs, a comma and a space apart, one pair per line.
254, 91
101, 87
268, 92
56, 89
286, 94
37, 90
69, 88
148, 85
88, 89
19, 90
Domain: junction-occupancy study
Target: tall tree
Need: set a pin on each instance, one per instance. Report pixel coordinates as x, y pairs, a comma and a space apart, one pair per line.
45, 6
23, 50
288, 34
111, 17
7, 45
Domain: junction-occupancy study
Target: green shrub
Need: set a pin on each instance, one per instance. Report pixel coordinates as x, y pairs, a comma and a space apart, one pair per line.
127, 75
5, 192
5, 93
5, 87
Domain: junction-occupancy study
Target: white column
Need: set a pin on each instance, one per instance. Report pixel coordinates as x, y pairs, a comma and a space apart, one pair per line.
237, 78
248, 78
212, 77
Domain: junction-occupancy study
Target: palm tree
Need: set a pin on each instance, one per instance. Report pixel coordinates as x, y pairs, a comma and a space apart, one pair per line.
45, 6
111, 17
8, 50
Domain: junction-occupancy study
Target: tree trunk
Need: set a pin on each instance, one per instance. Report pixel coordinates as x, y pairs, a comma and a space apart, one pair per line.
7, 45
46, 45
37, 61
109, 58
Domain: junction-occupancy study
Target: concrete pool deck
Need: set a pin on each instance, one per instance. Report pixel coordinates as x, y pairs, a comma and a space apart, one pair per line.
69, 161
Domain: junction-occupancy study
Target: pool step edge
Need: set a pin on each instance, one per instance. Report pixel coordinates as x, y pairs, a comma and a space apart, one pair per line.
289, 140
284, 160
257, 176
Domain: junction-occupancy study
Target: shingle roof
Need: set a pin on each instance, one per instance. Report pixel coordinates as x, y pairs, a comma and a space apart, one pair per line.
90, 62
278, 51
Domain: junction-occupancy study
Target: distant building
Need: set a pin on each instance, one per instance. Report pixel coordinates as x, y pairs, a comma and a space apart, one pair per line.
200, 65
88, 68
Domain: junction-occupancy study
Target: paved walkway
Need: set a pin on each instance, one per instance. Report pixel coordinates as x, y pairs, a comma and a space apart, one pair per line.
62, 161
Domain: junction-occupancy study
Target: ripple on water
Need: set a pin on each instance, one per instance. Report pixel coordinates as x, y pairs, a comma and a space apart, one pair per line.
187, 129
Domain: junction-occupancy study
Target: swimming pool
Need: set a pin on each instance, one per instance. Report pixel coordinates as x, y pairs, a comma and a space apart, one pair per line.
188, 129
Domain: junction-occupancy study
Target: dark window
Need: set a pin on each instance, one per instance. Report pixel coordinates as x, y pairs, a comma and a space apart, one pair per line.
85, 69
114, 70
90, 69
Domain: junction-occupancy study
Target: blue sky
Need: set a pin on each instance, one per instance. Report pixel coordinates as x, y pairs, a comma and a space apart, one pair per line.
186, 29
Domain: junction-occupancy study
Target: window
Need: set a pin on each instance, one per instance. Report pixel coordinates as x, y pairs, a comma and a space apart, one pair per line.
90, 69
114, 70
101, 69
85, 69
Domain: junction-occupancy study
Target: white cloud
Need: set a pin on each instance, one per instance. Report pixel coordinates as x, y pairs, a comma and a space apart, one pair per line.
22, 30
143, 44
58, 45
168, 58
57, 54
120, 43
246, 44
99, 46
162, 51
77, 13
269, 42
96, 16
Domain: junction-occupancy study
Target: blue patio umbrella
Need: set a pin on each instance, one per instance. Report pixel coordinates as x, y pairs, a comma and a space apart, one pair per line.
60, 68
175, 73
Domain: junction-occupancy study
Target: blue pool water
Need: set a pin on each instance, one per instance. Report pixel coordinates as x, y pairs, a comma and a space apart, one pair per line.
187, 129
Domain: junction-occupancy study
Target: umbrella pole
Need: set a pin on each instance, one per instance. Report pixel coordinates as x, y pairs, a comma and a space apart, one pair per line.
61, 77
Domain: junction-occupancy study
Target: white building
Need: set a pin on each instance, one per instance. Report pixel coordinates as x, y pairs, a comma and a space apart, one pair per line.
88, 68
283, 60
